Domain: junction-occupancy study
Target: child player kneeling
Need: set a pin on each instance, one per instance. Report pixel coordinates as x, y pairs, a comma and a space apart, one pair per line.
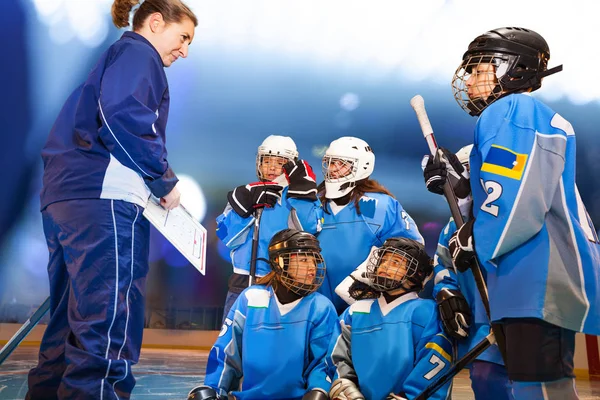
391, 346
277, 332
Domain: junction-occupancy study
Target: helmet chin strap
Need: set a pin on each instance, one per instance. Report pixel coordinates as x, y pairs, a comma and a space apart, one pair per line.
281, 180
345, 199
284, 294
393, 294
476, 106
339, 190
403, 289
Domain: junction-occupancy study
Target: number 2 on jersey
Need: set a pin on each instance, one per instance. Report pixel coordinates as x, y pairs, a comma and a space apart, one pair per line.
494, 191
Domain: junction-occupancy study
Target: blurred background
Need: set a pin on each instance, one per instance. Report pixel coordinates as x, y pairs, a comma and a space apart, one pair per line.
312, 70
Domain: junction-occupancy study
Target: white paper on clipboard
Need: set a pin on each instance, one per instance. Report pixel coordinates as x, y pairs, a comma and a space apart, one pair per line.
182, 230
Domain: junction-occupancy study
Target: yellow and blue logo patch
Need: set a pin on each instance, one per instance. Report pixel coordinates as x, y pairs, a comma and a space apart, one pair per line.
505, 162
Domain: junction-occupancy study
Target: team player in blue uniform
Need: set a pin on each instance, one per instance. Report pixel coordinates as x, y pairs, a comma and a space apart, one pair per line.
103, 158
462, 311
393, 345
358, 212
530, 230
277, 333
287, 193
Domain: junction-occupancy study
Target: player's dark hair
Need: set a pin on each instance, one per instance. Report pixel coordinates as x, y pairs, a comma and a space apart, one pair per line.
172, 11
363, 186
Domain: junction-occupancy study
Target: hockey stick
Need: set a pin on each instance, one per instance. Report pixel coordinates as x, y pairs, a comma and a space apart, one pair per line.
418, 104
457, 367
257, 216
18, 337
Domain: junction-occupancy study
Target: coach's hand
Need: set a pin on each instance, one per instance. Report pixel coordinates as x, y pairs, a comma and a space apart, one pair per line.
171, 200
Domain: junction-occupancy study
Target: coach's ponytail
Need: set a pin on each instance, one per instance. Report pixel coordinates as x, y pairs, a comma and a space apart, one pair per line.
120, 12
171, 11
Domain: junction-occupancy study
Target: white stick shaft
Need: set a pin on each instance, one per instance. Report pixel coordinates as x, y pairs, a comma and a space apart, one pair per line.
418, 104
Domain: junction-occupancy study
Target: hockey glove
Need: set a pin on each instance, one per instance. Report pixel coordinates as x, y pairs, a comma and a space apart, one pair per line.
301, 180
245, 199
345, 389
462, 247
360, 290
446, 166
454, 312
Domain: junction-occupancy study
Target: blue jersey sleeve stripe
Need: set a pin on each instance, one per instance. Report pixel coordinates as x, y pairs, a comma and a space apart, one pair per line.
438, 348
117, 140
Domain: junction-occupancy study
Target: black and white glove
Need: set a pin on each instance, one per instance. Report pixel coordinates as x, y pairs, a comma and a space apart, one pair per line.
393, 396
247, 198
446, 166
462, 247
204, 393
302, 182
345, 389
455, 313
359, 290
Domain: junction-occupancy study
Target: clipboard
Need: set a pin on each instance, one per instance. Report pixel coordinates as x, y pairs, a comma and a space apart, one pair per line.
181, 230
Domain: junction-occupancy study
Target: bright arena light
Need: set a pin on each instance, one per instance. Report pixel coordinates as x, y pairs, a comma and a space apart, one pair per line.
349, 101
416, 41
413, 41
192, 196
87, 21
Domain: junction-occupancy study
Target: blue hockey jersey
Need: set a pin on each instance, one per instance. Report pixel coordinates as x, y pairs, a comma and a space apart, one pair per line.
396, 347
278, 350
347, 238
236, 232
108, 141
532, 232
446, 277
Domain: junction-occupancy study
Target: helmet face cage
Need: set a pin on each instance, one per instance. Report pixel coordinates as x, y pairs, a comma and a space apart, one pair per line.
273, 153
483, 73
270, 162
339, 169
346, 161
390, 268
301, 272
520, 57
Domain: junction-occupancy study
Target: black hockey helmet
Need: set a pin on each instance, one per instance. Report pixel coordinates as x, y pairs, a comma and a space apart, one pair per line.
520, 57
295, 256
202, 393
399, 263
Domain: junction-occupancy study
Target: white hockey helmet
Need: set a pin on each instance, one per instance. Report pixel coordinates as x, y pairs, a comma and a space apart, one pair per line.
464, 153
346, 161
275, 146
